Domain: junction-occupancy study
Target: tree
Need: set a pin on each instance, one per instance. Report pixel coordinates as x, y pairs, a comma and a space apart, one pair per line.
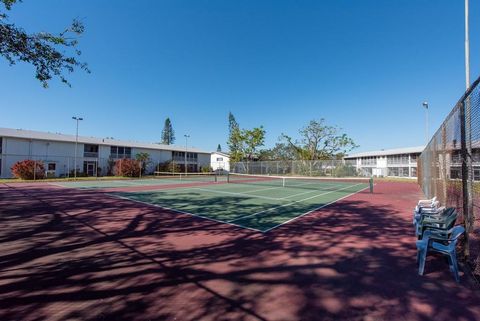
320, 141
280, 151
44, 50
219, 148
144, 159
248, 141
168, 135
234, 137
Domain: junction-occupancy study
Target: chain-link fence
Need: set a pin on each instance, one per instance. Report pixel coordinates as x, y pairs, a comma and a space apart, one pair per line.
335, 168
449, 167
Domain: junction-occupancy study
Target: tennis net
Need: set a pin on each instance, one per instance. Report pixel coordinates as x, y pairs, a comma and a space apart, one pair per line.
305, 182
207, 177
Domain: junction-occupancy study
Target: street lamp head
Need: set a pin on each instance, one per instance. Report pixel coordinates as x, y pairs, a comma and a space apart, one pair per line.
425, 104
77, 118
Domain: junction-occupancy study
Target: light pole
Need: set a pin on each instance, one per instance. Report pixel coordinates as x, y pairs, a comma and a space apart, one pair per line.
425, 105
467, 49
186, 143
76, 145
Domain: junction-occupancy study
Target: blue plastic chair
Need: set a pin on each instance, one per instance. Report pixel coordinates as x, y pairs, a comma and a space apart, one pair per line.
444, 246
439, 223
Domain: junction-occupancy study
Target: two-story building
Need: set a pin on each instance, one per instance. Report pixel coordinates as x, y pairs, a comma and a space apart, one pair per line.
92, 156
399, 162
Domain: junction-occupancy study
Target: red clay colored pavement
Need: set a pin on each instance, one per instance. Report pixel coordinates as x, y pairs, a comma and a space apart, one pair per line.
71, 254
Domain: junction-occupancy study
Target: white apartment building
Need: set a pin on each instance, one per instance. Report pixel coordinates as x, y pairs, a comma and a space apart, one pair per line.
400, 162
94, 156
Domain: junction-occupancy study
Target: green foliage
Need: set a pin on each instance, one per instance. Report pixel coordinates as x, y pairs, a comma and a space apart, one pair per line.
144, 159
344, 170
45, 51
168, 135
234, 138
28, 169
127, 167
110, 166
320, 141
168, 166
280, 151
206, 169
248, 140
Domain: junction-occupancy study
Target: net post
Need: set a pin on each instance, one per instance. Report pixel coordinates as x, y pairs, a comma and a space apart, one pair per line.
228, 178
370, 182
283, 181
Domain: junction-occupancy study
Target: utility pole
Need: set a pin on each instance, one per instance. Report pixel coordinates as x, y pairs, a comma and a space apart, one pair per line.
186, 143
78, 119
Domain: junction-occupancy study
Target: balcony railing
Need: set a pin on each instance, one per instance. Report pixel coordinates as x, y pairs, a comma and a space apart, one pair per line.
117, 156
90, 154
182, 159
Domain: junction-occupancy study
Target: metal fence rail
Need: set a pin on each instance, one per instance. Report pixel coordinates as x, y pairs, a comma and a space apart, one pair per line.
336, 168
449, 167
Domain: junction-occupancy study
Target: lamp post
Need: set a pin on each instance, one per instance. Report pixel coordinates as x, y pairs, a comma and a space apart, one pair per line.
186, 143
425, 105
467, 49
78, 119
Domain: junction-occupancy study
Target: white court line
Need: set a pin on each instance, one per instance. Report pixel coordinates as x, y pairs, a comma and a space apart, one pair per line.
236, 193
183, 212
294, 202
315, 209
311, 191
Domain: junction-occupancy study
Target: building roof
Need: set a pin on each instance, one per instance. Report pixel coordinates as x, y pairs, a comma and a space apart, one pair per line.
221, 153
58, 137
396, 151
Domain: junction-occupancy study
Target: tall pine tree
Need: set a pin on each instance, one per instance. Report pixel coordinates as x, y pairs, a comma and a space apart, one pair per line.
219, 148
168, 135
233, 138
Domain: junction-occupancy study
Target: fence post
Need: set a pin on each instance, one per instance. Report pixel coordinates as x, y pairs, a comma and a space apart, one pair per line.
466, 166
444, 163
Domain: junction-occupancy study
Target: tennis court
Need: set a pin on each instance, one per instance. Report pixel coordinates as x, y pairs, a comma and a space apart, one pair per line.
255, 202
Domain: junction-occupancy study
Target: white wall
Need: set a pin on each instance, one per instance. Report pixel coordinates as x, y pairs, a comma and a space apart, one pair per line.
216, 164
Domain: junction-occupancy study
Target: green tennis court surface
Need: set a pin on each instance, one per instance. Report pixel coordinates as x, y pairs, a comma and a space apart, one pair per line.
249, 202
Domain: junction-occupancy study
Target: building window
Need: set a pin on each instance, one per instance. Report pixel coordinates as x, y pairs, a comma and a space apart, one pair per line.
455, 173
397, 159
413, 158
219, 159
51, 166
90, 150
120, 152
369, 161
180, 156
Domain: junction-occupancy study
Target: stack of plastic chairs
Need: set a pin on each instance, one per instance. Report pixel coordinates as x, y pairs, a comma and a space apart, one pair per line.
436, 231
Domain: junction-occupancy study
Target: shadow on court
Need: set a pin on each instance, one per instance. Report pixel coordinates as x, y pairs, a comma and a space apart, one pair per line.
79, 255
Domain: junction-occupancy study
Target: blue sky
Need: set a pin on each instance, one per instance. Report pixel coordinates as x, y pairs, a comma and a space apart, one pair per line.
365, 66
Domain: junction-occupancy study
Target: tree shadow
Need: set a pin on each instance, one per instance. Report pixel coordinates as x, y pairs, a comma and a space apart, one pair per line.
85, 255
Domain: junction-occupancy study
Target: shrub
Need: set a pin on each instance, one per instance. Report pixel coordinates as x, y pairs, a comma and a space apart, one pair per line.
344, 170
28, 169
127, 167
206, 169
168, 167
